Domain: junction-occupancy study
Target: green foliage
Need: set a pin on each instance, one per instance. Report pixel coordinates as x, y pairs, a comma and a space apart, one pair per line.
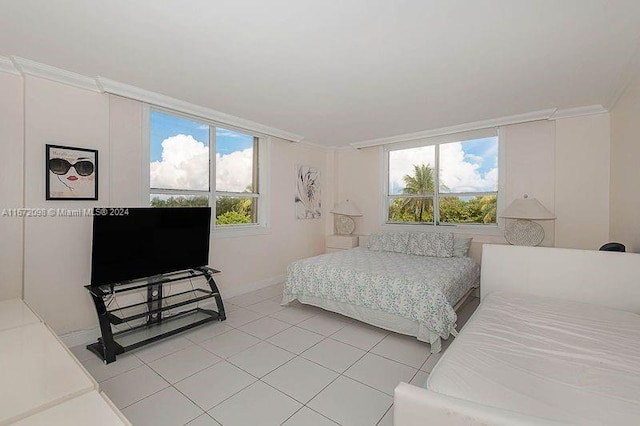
229, 210
232, 217
421, 183
180, 201
452, 209
476, 210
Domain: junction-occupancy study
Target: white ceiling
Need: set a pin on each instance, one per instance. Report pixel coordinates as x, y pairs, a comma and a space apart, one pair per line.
339, 72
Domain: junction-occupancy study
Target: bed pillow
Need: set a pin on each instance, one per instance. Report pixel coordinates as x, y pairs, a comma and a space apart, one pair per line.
395, 242
461, 246
375, 242
433, 244
389, 241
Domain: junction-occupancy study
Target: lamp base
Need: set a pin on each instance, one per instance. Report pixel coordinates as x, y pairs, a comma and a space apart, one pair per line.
344, 225
523, 232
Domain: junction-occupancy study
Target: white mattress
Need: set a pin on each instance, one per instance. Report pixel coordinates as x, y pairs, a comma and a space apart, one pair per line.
554, 359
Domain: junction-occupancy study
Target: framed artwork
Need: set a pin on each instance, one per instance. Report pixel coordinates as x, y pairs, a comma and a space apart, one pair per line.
71, 173
307, 201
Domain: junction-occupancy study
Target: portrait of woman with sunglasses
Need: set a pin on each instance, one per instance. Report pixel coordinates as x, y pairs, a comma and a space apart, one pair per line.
71, 173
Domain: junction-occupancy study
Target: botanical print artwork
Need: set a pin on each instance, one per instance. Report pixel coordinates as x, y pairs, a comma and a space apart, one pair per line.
72, 173
308, 203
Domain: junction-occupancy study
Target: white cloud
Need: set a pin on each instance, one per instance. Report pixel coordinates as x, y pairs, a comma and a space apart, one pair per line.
474, 158
460, 175
234, 171
185, 165
401, 163
460, 172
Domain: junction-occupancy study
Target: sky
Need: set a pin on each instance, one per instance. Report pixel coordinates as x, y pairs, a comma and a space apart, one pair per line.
467, 166
180, 155
180, 159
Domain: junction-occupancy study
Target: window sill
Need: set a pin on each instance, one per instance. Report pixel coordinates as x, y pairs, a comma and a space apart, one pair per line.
231, 231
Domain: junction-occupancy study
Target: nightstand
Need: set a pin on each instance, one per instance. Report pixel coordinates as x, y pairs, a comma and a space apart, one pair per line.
341, 242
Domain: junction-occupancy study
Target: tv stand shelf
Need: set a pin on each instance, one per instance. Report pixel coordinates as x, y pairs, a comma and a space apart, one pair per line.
159, 322
141, 310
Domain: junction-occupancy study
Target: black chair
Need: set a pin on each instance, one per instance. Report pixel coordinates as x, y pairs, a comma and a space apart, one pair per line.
613, 247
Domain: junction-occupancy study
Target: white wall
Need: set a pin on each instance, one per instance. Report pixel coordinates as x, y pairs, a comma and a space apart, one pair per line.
625, 168
582, 181
57, 249
538, 163
125, 136
358, 179
11, 184
530, 167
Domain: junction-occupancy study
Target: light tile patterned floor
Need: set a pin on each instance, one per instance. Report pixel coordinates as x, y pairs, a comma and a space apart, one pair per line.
268, 365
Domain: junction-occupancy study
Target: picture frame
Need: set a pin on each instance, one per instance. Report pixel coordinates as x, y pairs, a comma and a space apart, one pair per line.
308, 199
71, 173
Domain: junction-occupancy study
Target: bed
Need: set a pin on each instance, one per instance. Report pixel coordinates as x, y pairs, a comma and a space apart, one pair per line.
406, 293
555, 340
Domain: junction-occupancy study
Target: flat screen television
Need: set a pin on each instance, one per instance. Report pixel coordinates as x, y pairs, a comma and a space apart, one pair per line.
134, 243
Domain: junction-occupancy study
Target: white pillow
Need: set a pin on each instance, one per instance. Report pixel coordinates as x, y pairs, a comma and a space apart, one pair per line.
375, 242
389, 241
433, 244
395, 242
461, 246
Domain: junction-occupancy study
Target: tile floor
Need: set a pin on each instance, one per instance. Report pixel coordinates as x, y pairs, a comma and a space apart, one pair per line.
267, 365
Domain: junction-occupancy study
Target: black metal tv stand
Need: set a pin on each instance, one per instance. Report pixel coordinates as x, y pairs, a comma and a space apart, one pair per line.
156, 324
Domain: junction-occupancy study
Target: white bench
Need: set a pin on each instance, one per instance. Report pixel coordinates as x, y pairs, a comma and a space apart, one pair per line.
42, 383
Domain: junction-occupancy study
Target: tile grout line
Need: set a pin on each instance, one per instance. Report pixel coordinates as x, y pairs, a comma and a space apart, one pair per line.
295, 355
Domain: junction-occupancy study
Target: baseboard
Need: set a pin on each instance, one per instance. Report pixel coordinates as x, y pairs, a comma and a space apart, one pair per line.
80, 337
84, 337
256, 285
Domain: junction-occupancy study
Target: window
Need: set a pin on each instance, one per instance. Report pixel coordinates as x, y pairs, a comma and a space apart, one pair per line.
182, 173
449, 181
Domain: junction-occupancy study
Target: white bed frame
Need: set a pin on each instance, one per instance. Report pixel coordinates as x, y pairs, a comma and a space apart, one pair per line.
609, 279
603, 278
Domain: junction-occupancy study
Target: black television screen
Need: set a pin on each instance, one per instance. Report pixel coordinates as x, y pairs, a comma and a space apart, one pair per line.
131, 243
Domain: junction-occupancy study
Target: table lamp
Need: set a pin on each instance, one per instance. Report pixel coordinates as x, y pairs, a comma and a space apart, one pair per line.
345, 211
523, 231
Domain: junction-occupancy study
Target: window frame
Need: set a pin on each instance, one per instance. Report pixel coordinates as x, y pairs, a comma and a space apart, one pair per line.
463, 228
262, 225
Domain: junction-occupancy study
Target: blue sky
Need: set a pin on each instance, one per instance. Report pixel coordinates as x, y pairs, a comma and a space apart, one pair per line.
485, 148
164, 126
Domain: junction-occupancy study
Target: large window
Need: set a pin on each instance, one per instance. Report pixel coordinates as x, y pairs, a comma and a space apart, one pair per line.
182, 173
439, 183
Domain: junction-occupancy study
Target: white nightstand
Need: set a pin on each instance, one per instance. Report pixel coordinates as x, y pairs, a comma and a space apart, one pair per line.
341, 242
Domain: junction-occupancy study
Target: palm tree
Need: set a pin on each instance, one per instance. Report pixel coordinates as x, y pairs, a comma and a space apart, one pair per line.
489, 207
421, 183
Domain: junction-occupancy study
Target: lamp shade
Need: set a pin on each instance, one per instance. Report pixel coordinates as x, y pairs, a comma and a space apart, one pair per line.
527, 208
346, 208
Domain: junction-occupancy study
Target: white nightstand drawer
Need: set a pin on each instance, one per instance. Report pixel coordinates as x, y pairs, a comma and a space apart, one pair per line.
342, 242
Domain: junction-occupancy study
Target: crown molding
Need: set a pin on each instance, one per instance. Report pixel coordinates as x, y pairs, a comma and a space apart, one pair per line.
6, 65
121, 89
313, 144
476, 125
22, 66
577, 112
36, 69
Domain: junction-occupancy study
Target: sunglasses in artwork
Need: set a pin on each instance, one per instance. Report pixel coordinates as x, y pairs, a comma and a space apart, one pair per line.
61, 166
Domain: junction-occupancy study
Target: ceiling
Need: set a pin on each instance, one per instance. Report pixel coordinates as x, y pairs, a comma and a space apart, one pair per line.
339, 72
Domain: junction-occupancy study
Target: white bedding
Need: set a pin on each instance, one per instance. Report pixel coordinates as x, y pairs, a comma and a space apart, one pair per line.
417, 288
559, 360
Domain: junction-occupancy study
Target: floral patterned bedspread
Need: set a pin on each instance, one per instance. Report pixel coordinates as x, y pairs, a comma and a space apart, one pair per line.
418, 288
